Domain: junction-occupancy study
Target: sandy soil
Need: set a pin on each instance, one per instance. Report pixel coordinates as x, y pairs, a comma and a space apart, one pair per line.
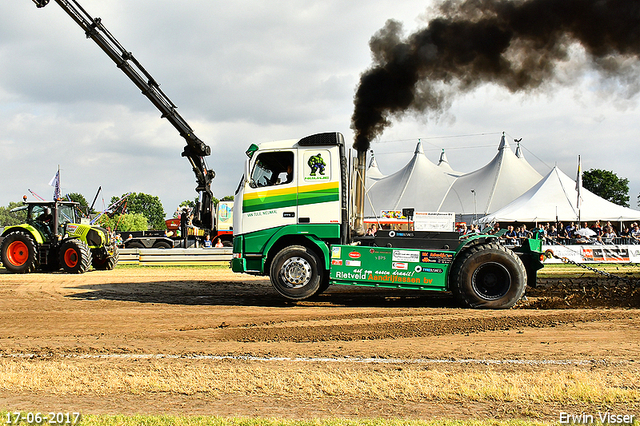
197, 311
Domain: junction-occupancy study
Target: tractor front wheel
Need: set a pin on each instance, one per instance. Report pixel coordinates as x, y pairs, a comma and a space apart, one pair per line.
18, 252
75, 257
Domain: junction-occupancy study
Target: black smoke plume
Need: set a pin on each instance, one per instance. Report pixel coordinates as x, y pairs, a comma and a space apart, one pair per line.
519, 45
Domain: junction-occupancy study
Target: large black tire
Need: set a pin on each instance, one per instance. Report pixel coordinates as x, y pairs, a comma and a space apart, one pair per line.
19, 252
488, 276
162, 245
107, 263
325, 284
134, 244
74, 256
295, 273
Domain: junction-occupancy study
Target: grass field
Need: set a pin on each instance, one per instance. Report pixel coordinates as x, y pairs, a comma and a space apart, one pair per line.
67, 365
117, 420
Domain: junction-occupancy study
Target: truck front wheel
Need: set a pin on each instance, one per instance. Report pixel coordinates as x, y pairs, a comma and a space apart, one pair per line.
488, 276
18, 252
295, 273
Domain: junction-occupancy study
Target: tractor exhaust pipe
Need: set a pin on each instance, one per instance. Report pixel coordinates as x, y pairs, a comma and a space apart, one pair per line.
358, 225
41, 3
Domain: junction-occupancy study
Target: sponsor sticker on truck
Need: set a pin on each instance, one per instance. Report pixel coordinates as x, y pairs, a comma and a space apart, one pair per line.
336, 252
435, 257
406, 256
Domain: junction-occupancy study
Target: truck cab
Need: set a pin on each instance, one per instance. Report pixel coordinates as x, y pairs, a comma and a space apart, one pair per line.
290, 194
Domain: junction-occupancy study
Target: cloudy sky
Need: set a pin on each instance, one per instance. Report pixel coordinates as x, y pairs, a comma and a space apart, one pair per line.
253, 71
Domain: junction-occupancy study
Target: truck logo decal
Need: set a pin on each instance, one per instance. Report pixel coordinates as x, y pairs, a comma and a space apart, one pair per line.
353, 263
336, 262
354, 255
400, 265
316, 164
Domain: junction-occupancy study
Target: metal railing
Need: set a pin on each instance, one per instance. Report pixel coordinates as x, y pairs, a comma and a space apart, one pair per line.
175, 256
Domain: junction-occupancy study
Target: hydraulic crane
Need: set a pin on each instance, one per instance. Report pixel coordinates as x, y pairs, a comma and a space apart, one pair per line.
196, 149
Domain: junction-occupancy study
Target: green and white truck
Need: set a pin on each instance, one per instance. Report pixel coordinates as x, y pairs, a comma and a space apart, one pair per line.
294, 222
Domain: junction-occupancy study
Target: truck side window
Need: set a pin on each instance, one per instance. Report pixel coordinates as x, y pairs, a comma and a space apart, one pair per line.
272, 168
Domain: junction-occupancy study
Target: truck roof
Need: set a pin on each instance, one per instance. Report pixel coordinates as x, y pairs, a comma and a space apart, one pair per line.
319, 139
285, 144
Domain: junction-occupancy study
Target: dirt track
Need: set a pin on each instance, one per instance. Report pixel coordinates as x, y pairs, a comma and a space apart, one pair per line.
188, 311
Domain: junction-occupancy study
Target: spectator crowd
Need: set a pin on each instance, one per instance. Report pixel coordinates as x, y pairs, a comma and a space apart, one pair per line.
569, 233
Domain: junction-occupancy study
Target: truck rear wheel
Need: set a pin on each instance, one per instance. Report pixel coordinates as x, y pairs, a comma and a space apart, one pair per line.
75, 257
18, 252
295, 273
488, 276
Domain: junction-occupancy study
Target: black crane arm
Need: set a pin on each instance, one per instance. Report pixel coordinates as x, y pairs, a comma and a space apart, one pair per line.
195, 150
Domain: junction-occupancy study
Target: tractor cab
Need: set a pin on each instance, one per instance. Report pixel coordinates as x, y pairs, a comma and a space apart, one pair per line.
51, 217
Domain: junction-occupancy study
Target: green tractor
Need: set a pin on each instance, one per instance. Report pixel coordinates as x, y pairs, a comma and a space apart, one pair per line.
55, 238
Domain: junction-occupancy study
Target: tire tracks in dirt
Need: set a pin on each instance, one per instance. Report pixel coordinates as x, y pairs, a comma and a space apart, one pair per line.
409, 328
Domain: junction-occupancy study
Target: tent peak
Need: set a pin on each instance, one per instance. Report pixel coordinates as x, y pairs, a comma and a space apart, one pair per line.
443, 158
503, 143
372, 162
519, 152
419, 149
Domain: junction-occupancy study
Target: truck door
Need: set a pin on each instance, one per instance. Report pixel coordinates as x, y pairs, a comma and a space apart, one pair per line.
270, 195
318, 186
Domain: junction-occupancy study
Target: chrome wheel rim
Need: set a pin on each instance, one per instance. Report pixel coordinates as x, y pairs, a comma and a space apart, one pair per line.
296, 272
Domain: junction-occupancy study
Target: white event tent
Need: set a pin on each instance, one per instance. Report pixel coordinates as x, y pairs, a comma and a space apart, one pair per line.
554, 198
491, 187
429, 188
420, 185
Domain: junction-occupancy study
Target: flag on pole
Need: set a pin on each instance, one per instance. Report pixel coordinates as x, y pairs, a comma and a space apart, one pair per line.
55, 182
579, 185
